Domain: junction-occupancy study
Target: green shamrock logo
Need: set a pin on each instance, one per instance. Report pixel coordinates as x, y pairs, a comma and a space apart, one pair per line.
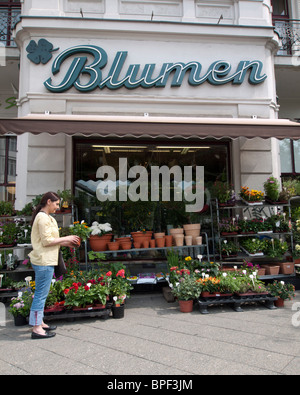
40, 52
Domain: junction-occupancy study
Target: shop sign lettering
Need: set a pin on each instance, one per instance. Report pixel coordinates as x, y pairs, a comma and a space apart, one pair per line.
87, 75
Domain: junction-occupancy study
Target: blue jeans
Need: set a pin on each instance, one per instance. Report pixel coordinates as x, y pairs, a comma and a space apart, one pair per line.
43, 277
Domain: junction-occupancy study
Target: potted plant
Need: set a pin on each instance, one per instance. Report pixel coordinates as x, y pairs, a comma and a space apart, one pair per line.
251, 197
100, 236
67, 198
248, 284
223, 191
8, 233
275, 248
209, 285
228, 226
229, 249
20, 307
272, 189
282, 290
80, 229
186, 290
252, 246
6, 209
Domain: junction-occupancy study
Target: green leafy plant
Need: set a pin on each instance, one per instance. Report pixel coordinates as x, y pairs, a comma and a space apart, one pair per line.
187, 288
6, 208
222, 191
272, 189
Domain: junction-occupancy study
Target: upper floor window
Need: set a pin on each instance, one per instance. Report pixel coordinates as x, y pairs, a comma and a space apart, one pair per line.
9, 12
280, 9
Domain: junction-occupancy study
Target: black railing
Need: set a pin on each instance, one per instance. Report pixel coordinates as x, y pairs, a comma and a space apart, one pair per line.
8, 17
289, 32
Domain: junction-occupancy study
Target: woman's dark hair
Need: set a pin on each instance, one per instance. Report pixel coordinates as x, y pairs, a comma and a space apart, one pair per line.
49, 195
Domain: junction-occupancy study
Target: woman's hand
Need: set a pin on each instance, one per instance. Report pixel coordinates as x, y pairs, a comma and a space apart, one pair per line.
70, 241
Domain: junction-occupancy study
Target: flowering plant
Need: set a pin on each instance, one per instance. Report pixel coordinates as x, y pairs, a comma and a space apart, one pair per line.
80, 295
252, 195
119, 286
209, 284
21, 304
100, 229
282, 290
271, 187
80, 229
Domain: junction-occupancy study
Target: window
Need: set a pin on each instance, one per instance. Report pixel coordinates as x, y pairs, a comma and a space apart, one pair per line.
8, 150
290, 157
9, 12
127, 216
280, 9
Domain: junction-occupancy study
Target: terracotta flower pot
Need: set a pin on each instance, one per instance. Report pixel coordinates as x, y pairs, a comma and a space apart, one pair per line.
100, 243
188, 240
186, 306
169, 240
160, 242
152, 243
179, 240
113, 246
279, 302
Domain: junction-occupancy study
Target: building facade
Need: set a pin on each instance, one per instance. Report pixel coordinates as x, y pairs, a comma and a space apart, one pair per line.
160, 82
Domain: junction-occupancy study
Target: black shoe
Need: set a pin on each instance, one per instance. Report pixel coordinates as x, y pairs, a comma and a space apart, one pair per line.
50, 328
35, 335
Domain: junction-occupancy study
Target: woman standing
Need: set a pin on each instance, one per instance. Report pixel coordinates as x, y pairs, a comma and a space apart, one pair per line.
45, 242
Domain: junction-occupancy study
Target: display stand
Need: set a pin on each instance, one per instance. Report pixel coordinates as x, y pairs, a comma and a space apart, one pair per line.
235, 301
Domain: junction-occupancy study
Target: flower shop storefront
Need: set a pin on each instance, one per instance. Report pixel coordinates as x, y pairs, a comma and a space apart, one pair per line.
98, 143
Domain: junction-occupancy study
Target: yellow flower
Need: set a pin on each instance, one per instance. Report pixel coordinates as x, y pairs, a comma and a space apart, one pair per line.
188, 258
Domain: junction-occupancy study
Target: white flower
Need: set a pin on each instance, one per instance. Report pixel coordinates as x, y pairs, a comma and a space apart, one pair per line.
224, 274
282, 282
225, 241
245, 272
251, 276
89, 285
200, 257
115, 298
235, 267
206, 275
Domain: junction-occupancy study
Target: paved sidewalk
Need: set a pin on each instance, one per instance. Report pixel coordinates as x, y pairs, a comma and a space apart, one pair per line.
154, 338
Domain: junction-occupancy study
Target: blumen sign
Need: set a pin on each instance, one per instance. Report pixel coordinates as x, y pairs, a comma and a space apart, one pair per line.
90, 61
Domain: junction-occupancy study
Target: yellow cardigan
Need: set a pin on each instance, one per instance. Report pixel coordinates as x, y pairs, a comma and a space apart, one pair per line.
44, 231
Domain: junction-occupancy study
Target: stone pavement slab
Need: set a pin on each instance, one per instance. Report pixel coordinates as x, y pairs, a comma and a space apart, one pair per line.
155, 338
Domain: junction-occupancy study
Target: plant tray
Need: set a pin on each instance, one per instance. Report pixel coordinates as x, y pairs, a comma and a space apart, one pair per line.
235, 301
255, 254
72, 314
258, 203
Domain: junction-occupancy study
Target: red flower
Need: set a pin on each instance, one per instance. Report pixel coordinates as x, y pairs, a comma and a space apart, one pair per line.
108, 274
66, 291
86, 288
121, 273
